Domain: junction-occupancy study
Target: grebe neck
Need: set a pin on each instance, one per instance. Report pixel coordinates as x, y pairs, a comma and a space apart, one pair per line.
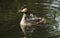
23, 19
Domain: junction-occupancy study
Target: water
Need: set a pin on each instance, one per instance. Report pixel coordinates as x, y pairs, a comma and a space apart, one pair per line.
58, 20
16, 32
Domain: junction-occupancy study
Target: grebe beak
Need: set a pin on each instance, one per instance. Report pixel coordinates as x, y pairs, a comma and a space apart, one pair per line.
23, 10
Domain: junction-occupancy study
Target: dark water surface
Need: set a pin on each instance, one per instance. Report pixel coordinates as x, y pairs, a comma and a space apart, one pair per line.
9, 20
16, 32
11, 33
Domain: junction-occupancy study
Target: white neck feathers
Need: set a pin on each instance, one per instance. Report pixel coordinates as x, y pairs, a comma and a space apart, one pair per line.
23, 19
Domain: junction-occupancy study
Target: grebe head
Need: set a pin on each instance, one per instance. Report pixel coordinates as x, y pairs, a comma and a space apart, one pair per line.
24, 10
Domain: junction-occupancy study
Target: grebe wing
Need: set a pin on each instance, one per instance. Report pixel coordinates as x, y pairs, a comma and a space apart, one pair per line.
32, 20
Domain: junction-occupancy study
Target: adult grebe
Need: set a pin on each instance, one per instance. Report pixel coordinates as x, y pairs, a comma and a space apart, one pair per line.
28, 23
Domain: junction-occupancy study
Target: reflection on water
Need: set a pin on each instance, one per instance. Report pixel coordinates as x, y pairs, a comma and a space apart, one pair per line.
16, 32
58, 24
58, 20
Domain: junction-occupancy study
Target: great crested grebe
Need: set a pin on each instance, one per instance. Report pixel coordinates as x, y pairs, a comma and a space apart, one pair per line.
29, 22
